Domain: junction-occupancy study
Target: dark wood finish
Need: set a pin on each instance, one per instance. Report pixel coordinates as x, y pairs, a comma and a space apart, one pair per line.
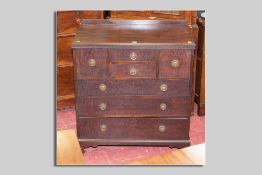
184, 60
133, 128
143, 70
67, 23
133, 87
200, 68
133, 104
124, 55
134, 33
83, 70
188, 16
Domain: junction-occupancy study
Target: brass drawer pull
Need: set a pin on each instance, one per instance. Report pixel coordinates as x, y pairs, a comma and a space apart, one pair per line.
102, 87
133, 71
91, 62
103, 127
163, 106
102, 106
133, 56
162, 128
163, 87
175, 63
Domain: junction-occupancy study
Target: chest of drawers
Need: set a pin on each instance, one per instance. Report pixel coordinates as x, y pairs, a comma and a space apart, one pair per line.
133, 82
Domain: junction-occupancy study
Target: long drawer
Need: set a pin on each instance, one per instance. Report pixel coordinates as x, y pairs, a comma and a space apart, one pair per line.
133, 128
133, 106
166, 88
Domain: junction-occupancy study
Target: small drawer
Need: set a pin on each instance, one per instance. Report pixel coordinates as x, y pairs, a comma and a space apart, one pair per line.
133, 128
164, 88
91, 63
132, 55
175, 63
133, 70
133, 106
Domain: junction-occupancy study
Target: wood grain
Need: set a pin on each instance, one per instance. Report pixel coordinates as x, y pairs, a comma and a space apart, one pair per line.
68, 151
133, 128
188, 16
129, 108
67, 23
133, 106
145, 70
184, 58
134, 32
133, 87
193, 155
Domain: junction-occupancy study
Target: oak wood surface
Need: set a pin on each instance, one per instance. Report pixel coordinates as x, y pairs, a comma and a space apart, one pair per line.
141, 55
133, 32
192, 155
133, 128
68, 151
133, 106
144, 70
133, 87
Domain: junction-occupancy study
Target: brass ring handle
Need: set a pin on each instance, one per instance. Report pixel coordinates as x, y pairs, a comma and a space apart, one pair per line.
133, 71
163, 106
102, 106
102, 87
103, 127
133, 56
162, 128
175, 63
91, 62
163, 87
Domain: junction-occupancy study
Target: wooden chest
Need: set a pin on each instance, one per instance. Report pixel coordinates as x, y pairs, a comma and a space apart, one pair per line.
133, 82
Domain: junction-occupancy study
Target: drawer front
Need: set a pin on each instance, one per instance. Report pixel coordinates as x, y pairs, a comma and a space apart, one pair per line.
91, 63
132, 55
133, 106
175, 63
133, 128
165, 88
133, 70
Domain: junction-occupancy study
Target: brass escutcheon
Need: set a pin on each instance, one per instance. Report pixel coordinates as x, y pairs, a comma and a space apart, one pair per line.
133, 56
163, 106
91, 62
102, 87
102, 106
162, 128
174, 63
133, 71
103, 127
163, 87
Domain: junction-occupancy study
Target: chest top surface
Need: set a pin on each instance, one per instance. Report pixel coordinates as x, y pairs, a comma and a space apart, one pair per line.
134, 33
